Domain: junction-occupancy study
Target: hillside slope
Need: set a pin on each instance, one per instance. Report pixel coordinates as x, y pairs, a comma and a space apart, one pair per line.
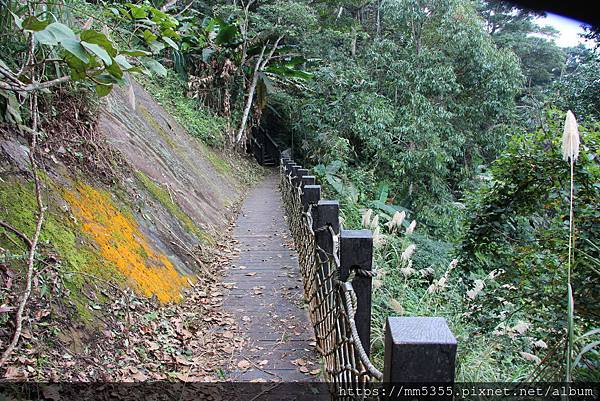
131, 196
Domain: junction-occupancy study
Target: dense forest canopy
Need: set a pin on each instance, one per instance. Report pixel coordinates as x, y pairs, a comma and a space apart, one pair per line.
448, 111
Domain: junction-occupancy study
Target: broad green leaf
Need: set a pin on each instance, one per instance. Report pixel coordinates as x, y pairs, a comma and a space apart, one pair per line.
60, 31
31, 23
170, 42
123, 62
136, 53
157, 46
108, 79
137, 12
100, 39
74, 47
103, 90
169, 33
149, 36
18, 20
45, 37
78, 68
98, 51
155, 66
334, 166
115, 70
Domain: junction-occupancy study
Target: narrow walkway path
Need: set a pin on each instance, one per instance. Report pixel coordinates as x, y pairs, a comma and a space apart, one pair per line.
265, 295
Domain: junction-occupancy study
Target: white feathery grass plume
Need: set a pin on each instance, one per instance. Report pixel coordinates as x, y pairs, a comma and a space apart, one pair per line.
399, 218
570, 139
479, 284
396, 306
408, 252
396, 221
408, 270
366, 218
570, 149
378, 238
375, 222
411, 228
452, 264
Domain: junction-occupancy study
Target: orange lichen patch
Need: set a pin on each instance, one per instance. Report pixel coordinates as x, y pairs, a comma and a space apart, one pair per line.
122, 243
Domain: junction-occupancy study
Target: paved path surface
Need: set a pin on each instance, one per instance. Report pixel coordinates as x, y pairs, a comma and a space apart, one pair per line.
266, 294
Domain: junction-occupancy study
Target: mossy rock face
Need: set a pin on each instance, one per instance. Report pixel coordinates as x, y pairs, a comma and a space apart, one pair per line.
91, 238
60, 234
166, 200
121, 243
201, 182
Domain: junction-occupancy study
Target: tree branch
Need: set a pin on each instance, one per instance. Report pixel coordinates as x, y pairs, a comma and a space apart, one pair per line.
36, 86
34, 241
16, 232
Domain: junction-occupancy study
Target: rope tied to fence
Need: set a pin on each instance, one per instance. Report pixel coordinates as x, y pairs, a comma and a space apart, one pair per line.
331, 302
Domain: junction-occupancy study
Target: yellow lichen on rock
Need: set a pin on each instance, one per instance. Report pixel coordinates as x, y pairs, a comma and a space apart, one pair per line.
121, 242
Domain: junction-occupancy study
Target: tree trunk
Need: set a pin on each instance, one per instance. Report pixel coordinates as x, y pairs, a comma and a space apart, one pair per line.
260, 65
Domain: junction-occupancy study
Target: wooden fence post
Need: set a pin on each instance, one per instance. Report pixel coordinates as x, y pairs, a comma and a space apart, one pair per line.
356, 254
326, 215
307, 180
301, 172
295, 169
311, 195
419, 350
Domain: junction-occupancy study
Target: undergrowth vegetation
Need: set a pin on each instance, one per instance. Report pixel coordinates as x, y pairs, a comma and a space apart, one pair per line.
172, 93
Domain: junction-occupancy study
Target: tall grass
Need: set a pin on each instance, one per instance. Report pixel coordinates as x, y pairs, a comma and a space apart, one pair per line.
570, 148
417, 277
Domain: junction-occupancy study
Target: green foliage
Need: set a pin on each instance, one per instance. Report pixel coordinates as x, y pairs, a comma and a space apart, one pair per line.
518, 227
170, 91
44, 51
578, 89
419, 109
513, 28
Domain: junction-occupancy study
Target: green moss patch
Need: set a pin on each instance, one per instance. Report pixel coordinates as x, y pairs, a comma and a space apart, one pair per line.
220, 164
156, 126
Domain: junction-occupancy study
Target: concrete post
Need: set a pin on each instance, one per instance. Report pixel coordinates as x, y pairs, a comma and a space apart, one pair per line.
307, 180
